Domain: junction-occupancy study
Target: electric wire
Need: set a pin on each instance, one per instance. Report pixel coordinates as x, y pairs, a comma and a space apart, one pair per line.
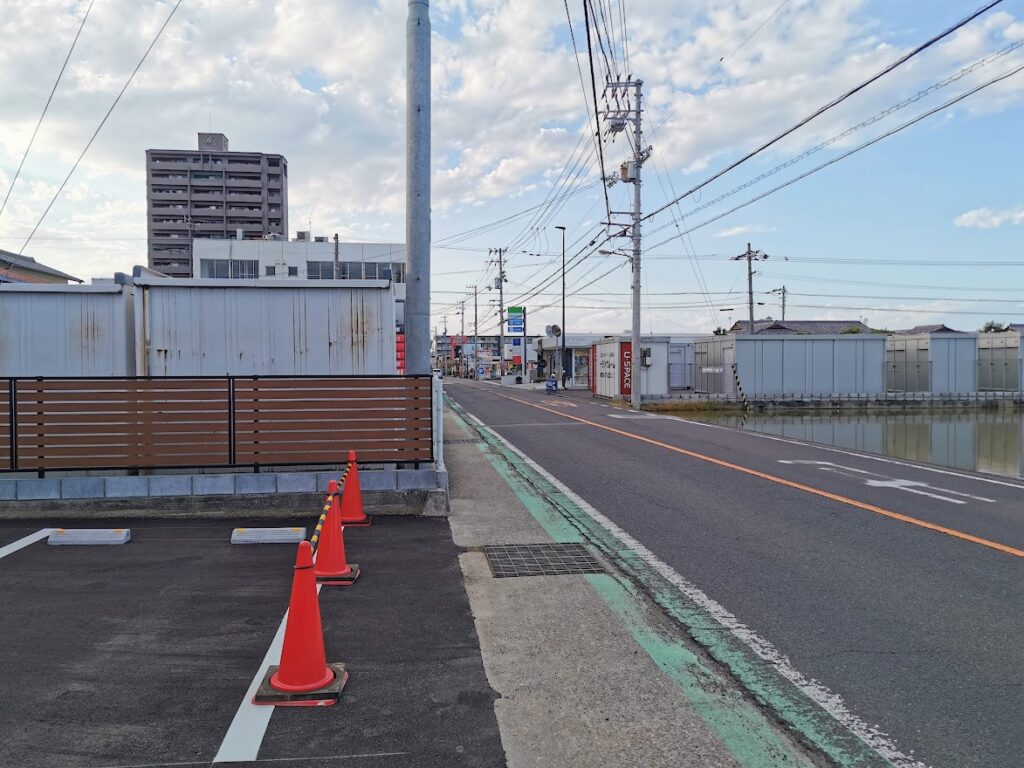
831, 104
102, 123
46, 107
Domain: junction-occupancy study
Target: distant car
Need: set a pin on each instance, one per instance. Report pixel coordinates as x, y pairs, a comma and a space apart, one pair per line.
439, 373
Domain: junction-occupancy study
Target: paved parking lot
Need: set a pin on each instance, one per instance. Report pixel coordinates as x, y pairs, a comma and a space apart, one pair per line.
140, 655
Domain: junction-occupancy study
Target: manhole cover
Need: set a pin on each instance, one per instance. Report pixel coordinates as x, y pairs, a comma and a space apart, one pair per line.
541, 560
466, 441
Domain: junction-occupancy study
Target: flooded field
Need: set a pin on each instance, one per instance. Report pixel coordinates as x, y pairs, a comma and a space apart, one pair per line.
977, 441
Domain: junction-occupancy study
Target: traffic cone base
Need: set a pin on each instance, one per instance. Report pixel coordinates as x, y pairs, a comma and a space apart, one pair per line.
326, 696
339, 579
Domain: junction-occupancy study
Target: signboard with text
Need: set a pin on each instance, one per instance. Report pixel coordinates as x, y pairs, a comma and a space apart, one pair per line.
625, 368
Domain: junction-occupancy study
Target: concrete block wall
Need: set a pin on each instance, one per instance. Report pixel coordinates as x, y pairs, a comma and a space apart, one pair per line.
266, 483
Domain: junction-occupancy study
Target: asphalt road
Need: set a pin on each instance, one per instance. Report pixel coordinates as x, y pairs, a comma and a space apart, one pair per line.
898, 586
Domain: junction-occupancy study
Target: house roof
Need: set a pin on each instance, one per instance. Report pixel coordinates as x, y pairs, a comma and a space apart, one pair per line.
919, 329
8, 259
781, 327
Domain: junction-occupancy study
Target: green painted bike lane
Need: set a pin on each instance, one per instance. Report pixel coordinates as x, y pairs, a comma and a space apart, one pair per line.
743, 724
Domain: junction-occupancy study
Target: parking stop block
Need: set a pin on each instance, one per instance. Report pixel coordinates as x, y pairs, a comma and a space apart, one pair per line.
268, 535
89, 536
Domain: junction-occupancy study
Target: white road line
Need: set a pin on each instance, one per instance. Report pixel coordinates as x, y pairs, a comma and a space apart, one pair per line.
876, 480
872, 457
244, 736
14, 546
820, 694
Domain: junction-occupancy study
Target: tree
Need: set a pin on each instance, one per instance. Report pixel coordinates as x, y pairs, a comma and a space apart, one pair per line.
993, 327
720, 331
851, 329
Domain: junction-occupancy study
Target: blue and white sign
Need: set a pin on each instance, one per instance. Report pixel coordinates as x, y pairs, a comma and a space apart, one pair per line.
517, 342
480, 370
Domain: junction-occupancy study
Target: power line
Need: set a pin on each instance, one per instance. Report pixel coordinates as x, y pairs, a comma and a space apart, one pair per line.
102, 123
959, 75
46, 107
597, 122
853, 151
835, 102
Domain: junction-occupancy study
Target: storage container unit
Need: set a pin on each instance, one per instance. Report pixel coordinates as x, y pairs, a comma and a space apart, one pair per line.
264, 327
713, 358
940, 363
614, 369
811, 365
681, 362
1000, 365
66, 330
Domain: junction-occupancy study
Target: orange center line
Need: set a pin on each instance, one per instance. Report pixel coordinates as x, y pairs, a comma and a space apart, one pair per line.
789, 483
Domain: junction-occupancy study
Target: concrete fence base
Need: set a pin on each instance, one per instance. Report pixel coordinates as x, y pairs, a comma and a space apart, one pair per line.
271, 494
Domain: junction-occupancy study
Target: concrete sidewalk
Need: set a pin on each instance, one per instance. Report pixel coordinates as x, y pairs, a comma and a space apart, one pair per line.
588, 671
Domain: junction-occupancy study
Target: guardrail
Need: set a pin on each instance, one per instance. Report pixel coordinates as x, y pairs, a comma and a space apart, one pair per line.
49, 424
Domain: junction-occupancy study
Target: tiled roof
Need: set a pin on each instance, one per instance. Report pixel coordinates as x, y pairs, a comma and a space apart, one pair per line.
8, 259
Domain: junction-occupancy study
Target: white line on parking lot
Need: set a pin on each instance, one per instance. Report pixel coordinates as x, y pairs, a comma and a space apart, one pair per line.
14, 546
245, 734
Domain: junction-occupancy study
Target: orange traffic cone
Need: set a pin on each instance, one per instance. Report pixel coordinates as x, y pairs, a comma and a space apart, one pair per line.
352, 513
303, 679
331, 567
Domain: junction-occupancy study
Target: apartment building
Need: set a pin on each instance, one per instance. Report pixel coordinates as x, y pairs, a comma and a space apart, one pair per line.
211, 193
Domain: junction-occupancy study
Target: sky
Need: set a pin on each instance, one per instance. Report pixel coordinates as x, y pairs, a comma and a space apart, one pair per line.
923, 227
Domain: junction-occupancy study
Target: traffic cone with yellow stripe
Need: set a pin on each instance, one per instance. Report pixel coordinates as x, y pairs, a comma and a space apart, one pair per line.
352, 513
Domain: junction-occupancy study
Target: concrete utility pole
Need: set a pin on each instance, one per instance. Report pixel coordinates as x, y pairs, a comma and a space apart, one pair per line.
476, 330
751, 256
417, 188
500, 280
561, 338
335, 256
782, 292
617, 119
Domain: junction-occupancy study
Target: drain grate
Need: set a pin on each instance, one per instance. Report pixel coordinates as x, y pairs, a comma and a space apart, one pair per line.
541, 560
460, 441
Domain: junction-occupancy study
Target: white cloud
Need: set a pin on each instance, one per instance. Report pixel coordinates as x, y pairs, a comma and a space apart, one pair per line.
986, 218
743, 229
507, 105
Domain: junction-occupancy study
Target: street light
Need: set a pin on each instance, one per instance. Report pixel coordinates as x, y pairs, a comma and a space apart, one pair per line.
561, 356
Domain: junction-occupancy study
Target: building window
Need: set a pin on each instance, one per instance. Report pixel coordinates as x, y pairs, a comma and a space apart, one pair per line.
271, 271
293, 271
320, 270
242, 269
370, 270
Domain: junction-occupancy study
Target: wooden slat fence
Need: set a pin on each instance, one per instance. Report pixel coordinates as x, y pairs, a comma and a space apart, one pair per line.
129, 423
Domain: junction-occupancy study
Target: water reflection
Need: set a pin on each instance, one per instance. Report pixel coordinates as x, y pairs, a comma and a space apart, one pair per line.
982, 441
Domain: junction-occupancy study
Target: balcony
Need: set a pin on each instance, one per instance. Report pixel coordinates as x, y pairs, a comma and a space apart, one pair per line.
244, 167
208, 227
170, 226
201, 182
244, 183
168, 196
208, 195
238, 197
169, 165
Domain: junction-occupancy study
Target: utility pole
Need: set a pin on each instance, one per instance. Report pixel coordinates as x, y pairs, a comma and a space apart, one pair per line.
617, 120
335, 255
500, 280
561, 338
476, 330
417, 187
782, 292
751, 256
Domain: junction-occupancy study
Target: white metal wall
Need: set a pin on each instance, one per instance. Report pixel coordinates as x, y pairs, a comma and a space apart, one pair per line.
66, 330
217, 327
954, 361
608, 368
811, 365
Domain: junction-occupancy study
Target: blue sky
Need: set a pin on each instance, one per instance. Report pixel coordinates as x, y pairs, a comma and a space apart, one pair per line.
324, 85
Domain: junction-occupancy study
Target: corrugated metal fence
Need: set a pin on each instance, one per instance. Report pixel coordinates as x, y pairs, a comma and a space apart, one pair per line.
245, 421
